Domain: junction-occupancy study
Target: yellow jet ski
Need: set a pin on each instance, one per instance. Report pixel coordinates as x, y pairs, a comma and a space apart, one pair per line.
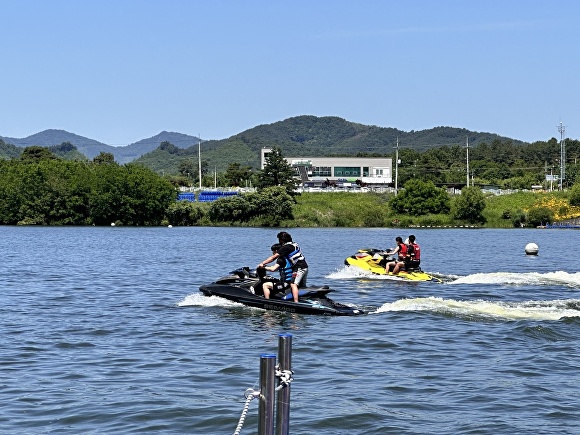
374, 260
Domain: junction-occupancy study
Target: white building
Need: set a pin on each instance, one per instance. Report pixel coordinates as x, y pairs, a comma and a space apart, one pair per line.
317, 170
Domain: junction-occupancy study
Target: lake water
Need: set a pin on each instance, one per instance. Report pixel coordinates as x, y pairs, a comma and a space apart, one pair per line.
104, 331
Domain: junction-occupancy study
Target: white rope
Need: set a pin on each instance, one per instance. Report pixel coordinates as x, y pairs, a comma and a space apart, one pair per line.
285, 378
250, 394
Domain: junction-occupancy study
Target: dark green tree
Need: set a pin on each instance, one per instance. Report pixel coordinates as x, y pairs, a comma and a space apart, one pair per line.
131, 194
419, 198
169, 147
62, 192
104, 158
236, 174
469, 205
274, 204
186, 168
271, 205
35, 153
540, 216
277, 172
575, 195
231, 209
185, 213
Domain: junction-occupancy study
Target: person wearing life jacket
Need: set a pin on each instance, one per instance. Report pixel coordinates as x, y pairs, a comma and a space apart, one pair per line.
399, 263
413, 254
291, 251
284, 267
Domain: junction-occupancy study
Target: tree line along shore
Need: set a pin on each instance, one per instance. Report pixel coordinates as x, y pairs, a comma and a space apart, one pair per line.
39, 189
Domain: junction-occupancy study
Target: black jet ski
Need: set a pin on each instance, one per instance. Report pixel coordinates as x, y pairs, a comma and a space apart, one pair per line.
245, 286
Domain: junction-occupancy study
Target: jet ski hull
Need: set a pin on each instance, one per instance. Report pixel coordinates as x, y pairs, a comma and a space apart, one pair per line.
245, 288
370, 259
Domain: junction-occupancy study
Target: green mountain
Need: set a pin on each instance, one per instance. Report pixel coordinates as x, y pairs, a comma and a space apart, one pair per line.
301, 136
311, 136
9, 151
52, 137
65, 150
92, 148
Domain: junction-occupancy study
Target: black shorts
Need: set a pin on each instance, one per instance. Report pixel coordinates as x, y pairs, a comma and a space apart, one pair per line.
281, 287
412, 264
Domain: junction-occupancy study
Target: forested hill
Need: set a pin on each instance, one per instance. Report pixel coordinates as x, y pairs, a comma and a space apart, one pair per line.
91, 147
311, 136
52, 137
304, 136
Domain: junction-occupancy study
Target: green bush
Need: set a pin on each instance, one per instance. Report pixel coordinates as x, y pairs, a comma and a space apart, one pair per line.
373, 218
518, 219
506, 214
419, 198
540, 216
184, 213
469, 205
269, 207
575, 195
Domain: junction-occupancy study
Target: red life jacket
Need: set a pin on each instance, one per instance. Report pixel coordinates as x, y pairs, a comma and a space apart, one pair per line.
402, 252
416, 251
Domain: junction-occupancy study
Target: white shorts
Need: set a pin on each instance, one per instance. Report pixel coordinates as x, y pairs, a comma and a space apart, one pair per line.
299, 277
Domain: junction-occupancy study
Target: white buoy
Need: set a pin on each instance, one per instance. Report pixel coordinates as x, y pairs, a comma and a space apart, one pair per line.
112, 224
532, 249
169, 226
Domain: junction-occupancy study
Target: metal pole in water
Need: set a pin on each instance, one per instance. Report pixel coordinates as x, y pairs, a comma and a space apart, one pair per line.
283, 403
267, 396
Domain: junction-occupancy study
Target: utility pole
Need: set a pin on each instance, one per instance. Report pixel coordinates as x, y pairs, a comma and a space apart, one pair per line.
397, 167
562, 130
199, 159
467, 168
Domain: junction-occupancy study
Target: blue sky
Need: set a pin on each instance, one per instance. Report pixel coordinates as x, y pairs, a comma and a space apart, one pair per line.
122, 70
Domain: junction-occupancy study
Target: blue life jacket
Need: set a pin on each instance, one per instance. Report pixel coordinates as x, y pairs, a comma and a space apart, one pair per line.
285, 270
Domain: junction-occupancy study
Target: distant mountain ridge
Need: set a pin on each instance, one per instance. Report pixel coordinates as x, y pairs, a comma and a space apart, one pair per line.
300, 136
92, 148
312, 136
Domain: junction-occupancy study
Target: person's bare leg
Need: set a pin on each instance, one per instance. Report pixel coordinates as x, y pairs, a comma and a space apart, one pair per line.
294, 289
266, 290
396, 269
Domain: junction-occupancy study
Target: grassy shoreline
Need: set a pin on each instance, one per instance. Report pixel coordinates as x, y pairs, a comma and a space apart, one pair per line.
344, 209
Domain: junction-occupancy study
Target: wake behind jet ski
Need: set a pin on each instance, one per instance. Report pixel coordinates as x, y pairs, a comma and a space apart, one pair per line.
245, 286
374, 260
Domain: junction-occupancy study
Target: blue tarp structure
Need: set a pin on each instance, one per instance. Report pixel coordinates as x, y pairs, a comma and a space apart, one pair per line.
186, 196
204, 196
207, 196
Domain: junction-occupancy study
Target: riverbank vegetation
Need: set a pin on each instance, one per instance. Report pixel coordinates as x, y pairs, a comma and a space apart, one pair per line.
371, 209
40, 189
37, 188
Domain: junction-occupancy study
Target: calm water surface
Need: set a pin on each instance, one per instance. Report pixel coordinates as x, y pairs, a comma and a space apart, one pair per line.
104, 331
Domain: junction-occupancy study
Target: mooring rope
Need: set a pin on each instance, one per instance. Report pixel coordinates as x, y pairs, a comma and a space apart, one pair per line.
285, 378
250, 394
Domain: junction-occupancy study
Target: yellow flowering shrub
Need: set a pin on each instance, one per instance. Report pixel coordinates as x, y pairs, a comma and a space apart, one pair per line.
560, 207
